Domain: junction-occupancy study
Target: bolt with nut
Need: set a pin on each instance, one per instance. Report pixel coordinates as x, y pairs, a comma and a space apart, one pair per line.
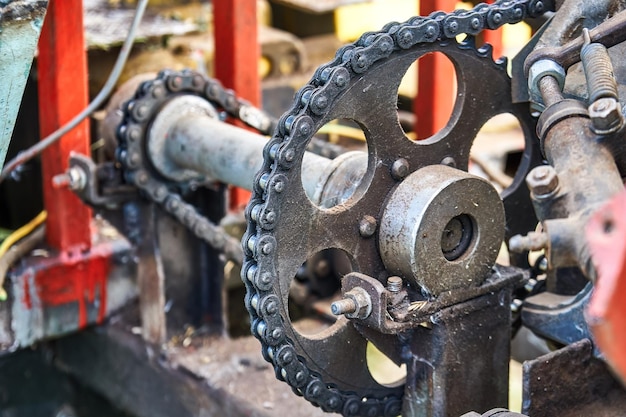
543, 181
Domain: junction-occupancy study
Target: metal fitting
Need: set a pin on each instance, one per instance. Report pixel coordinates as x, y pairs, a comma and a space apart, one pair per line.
356, 304
400, 169
367, 226
542, 181
516, 305
532, 241
540, 69
606, 116
75, 179
394, 284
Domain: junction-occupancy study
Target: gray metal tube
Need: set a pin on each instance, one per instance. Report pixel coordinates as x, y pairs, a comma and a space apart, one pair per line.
229, 154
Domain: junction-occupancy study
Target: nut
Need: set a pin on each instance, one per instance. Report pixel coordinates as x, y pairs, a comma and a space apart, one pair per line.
356, 304
540, 69
542, 181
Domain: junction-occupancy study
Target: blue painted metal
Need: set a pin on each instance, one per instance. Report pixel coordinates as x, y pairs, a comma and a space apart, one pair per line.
20, 26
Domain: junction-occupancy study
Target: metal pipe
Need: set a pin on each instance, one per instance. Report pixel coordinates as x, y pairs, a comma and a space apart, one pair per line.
229, 154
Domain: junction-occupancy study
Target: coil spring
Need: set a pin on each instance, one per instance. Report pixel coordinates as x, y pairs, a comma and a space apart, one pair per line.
598, 71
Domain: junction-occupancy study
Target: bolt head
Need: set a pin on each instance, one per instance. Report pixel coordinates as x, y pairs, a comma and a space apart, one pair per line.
606, 115
542, 180
400, 169
367, 226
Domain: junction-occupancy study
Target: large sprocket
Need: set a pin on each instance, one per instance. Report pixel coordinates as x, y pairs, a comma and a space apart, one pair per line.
286, 228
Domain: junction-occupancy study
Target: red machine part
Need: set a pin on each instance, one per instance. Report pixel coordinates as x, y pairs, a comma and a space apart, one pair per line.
75, 272
435, 86
63, 94
606, 235
237, 56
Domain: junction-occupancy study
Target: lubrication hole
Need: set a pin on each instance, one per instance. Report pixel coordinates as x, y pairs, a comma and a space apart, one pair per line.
316, 285
457, 236
427, 95
383, 369
497, 150
332, 177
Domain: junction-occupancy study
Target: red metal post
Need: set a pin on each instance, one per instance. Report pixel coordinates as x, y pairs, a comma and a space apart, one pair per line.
75, 273
437, 77
435, 83
237, 54
63, 93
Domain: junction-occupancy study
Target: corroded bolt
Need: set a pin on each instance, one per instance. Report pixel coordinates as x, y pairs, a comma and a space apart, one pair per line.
532, 241
542, 181
400, 169
356, 304
606, 116
394, 284
344, 306
367, 226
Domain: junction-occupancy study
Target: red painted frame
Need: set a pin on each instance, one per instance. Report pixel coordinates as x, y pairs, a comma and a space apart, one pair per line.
76, 272
63, 93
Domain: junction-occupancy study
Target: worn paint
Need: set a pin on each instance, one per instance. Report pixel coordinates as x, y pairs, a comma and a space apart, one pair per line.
20, 26
48, 288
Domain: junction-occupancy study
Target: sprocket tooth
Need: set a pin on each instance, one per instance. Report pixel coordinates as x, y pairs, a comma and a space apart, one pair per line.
486, 50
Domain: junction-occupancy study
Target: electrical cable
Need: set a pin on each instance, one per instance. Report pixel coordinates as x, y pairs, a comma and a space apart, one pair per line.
11, 240
106, 90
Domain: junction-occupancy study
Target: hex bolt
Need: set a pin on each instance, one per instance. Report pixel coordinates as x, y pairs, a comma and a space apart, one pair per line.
542, 181
604, 108
344, 306
367, 226
606, 116
394, 284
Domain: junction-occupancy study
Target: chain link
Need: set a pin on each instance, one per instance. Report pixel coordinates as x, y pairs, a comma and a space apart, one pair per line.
312, 103
139, 111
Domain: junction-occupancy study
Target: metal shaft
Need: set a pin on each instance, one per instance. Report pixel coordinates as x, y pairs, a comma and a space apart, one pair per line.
227, 153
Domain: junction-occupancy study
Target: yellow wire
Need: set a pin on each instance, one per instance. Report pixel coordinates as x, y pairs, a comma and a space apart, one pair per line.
16, 236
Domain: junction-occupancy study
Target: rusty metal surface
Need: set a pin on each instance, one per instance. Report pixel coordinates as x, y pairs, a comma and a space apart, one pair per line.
150, 277
107, 26
609, 33
571, 382
319, 6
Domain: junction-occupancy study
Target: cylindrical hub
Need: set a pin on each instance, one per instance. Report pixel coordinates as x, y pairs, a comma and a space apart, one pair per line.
442, 229
187, 141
